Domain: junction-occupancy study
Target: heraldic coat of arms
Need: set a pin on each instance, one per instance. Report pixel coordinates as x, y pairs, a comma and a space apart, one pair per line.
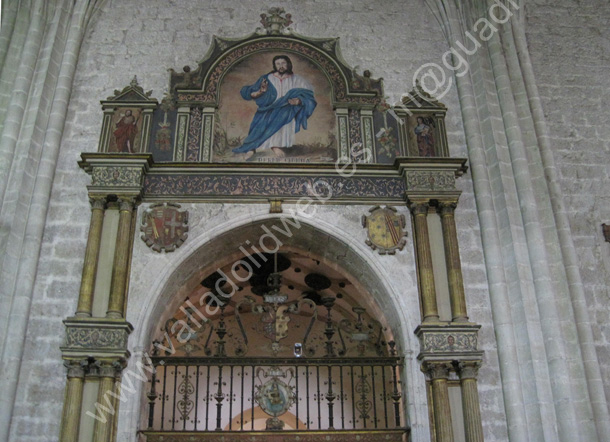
164, 227
385, 230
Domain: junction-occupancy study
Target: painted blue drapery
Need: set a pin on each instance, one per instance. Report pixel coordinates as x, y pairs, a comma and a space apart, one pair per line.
272, 115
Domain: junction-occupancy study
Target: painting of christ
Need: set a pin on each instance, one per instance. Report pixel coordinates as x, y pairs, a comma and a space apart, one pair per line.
283, 115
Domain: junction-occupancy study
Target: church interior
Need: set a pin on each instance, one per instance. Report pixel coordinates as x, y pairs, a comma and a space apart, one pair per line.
306, 220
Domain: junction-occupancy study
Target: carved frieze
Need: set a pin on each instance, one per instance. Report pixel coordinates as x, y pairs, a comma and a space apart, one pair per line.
95, 337
283, 186
448, 341
430, 180
117, 176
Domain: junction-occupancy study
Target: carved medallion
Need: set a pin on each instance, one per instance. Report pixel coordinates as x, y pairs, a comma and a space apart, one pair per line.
385, 230
275, 398
164, 227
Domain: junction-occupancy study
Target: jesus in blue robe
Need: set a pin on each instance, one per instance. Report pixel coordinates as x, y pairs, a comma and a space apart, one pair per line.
285, 101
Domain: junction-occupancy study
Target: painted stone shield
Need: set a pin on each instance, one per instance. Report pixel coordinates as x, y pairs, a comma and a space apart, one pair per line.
164, 227
385, 230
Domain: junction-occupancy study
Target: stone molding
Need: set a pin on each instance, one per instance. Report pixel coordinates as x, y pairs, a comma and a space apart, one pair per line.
301, 436
96, 337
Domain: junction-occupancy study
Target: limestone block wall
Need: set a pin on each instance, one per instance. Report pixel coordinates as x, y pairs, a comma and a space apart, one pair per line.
128, 38
570, 53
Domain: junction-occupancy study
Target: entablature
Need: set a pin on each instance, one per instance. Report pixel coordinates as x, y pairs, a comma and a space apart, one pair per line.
407, 178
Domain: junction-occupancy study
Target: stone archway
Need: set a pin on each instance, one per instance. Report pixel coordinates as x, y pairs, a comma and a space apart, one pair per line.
333, 250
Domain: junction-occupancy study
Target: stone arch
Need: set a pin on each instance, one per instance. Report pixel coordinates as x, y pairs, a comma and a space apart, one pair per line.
324, 240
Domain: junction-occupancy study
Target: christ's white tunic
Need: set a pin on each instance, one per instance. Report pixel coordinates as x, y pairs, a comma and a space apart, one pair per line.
285, 136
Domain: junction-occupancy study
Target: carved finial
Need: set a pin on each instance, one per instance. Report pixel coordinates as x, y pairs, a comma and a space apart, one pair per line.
133, 87
275, 24
420, 97
364, 82
420, 90
168, 103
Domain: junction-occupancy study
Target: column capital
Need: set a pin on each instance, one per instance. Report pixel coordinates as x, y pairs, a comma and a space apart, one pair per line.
418, 207
76, 368
446, 207
468, 369
127, 202
437, 369
111, 368
98, 202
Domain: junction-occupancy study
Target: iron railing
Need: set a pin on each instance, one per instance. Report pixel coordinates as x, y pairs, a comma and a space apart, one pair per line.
192, 394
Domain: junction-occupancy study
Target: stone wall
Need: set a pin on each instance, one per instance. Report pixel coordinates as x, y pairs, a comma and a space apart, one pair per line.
570, 54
